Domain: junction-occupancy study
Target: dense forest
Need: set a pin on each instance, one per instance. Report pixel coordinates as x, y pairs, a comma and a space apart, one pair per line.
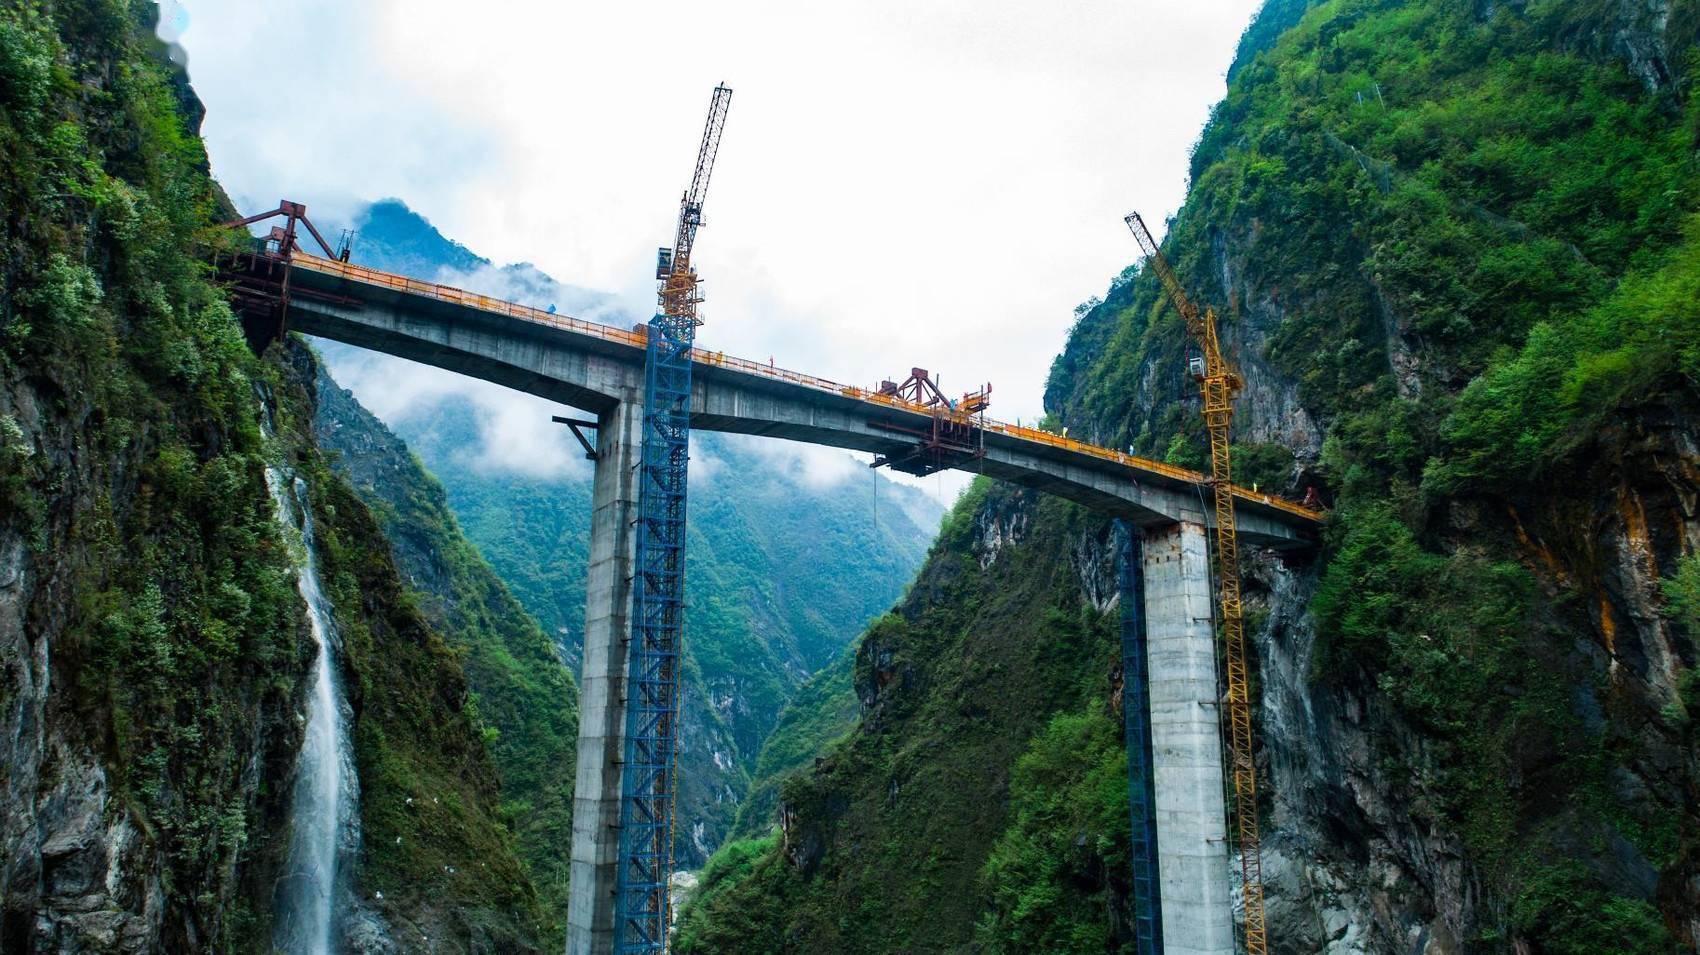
1456, 249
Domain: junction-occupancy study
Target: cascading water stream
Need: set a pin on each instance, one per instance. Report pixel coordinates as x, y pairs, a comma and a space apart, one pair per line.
314, 894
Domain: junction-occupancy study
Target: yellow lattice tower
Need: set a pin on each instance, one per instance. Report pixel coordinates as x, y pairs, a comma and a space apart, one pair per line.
1220, 383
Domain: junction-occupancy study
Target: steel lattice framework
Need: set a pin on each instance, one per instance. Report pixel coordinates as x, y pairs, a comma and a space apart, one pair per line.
642, 908
1136, 724
652, 682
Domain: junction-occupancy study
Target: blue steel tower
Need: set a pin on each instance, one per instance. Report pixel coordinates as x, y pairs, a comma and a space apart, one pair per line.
1136, 716
642, 910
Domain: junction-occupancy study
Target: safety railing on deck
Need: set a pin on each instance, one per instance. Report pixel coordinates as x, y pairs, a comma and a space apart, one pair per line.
637, 338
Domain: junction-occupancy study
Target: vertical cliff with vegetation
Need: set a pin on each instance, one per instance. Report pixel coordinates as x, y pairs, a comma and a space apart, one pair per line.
153, 644
1456, 249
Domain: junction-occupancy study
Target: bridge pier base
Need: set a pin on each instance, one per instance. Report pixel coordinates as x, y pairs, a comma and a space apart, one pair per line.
1192, 848
602, 681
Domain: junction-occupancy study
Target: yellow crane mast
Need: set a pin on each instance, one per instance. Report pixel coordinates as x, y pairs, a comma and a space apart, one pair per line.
1219, 383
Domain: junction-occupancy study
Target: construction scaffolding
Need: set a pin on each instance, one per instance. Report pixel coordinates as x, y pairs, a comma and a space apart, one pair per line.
642, 907
256, 275
1136, 726
954, 435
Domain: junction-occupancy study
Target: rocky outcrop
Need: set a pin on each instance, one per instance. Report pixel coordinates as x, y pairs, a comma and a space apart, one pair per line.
1347, 866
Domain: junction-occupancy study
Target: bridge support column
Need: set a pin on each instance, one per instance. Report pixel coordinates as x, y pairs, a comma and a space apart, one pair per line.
602, 681
1192, 849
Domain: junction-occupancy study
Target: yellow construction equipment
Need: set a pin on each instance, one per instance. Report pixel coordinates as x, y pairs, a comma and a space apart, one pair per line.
1219, 383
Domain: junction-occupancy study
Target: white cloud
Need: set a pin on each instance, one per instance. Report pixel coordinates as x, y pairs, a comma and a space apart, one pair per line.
515, 433
933, 183
819, 468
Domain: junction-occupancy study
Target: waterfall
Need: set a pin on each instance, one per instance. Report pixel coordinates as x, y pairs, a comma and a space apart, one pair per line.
315, 891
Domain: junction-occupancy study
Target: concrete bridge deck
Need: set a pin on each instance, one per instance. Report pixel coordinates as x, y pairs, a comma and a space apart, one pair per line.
600, 369
593, 367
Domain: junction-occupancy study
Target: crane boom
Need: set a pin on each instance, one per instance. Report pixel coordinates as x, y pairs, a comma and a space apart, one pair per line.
674, 270
1219, 383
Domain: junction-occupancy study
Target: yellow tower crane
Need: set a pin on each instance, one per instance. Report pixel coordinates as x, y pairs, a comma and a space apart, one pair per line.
1219, 383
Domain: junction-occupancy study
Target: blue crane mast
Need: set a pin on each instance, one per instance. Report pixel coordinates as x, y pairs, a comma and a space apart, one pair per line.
648, 784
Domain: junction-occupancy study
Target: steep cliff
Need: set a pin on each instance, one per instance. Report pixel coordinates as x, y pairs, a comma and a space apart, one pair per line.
153, 642
144, 589
1455, 249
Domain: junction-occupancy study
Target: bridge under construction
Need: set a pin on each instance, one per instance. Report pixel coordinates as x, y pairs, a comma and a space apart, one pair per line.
649, 386
600, 369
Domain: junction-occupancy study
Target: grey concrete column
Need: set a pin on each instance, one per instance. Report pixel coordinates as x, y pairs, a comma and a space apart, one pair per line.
602, 680
1192, 851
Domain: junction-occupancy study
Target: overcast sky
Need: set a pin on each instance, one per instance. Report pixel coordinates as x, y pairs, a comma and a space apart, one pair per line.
921, 183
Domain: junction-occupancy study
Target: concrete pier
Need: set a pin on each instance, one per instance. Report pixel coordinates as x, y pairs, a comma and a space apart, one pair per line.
1192, 850
602, 681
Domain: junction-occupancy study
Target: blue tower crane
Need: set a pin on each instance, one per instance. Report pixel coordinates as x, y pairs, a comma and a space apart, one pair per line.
648, 787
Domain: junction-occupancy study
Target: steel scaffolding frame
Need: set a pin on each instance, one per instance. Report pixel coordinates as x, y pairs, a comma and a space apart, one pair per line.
642, 906
1136, 724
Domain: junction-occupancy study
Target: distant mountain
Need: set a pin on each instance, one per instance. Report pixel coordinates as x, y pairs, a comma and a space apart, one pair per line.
785, 566
390, 236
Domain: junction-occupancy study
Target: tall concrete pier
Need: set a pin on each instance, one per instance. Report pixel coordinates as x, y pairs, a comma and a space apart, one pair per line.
1186, 740
602, 681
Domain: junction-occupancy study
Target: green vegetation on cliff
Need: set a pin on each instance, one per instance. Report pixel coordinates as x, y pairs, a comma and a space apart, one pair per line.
885, 843
438, 859
1480, 229
150, 583
152, 641
524, 696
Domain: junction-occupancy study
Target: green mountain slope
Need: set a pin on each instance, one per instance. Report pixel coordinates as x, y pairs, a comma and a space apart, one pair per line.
883, 841
1454, 246
153, 643
822, 712
785, 567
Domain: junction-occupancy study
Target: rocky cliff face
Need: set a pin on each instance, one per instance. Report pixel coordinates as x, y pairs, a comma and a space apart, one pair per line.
142, 587
1366, 850
1356, 860
100, 853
